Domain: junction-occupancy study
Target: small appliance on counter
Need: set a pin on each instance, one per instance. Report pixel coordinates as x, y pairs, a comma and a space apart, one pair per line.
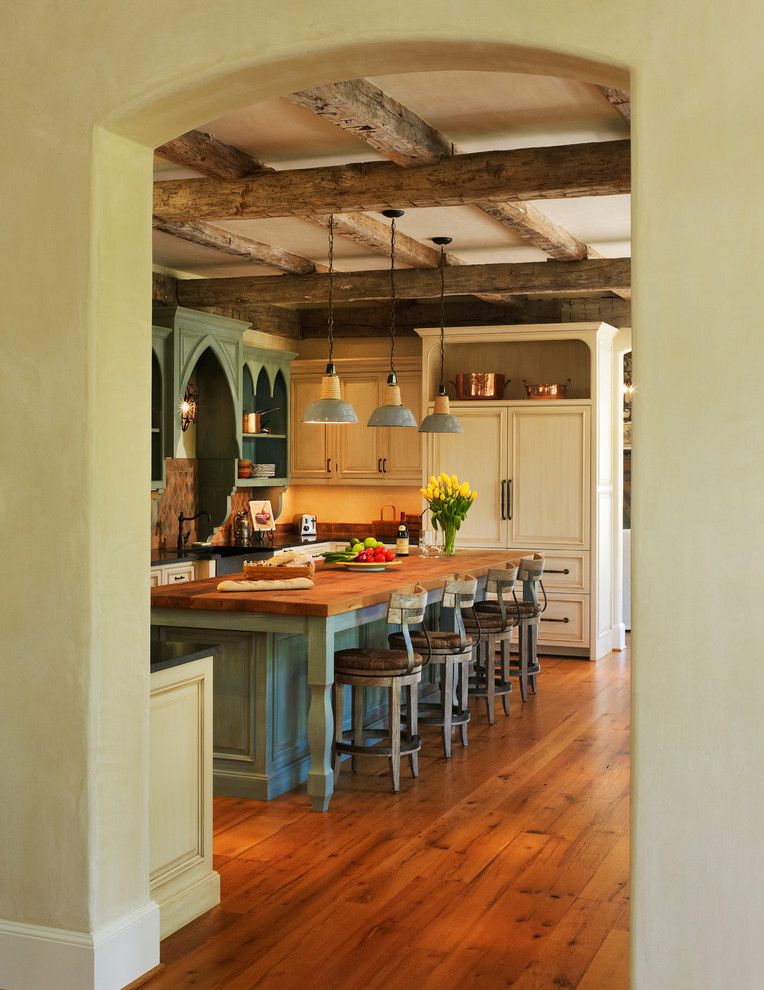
306, 527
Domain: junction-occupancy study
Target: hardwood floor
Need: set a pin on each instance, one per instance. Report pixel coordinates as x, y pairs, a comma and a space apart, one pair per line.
507, 866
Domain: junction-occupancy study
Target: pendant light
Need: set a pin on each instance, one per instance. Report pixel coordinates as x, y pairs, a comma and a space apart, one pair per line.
441, 420
330, 407
392, 412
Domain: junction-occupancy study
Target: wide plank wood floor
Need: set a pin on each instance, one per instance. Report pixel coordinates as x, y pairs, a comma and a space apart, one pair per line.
507, 866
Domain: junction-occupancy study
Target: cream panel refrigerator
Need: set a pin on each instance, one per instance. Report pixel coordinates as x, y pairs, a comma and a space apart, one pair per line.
478, 455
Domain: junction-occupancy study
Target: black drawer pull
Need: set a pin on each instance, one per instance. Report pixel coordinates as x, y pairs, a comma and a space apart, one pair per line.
566, 619
550, 571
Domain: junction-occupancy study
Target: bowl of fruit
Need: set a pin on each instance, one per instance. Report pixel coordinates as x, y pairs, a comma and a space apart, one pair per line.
363, 555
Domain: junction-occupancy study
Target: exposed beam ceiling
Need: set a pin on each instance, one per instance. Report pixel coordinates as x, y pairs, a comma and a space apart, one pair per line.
215, 159
363, 109
543, 278
399, 134
598, 169
619, 99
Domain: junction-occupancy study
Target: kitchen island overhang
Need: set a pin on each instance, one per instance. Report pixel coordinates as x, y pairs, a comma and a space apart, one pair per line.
265, 738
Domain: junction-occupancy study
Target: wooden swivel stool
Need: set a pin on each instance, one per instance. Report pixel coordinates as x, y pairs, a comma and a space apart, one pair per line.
393, 669
453, 652
492, 628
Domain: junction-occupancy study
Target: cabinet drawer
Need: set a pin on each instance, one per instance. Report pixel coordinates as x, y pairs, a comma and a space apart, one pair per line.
566, 621
177, 573
566, 571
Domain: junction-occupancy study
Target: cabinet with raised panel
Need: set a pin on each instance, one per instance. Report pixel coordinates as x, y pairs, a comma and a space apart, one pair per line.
354, 454
544, 470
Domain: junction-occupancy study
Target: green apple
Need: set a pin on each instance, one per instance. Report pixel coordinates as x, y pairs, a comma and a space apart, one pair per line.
369, 542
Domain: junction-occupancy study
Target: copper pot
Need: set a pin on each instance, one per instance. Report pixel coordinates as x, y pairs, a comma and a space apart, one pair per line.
480, 385
547, 390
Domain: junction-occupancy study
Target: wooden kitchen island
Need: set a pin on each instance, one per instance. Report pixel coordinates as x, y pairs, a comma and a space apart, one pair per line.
273, 676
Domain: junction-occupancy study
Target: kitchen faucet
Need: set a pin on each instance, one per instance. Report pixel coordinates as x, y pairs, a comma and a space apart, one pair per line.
184, 519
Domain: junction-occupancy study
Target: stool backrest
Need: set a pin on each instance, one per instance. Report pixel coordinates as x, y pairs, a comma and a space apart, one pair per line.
501, 582
459, 593
530, 573
407, 608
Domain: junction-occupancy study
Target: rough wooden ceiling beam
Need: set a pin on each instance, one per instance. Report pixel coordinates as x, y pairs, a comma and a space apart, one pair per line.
276, 320
619, 99
206, 154
534, 278
597, 169
374, 320
246, 248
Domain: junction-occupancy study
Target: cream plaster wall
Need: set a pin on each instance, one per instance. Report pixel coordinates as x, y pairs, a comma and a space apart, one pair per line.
75, 253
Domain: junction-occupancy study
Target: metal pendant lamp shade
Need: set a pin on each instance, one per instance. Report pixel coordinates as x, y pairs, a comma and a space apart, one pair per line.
330, 406
392, 412
441, 420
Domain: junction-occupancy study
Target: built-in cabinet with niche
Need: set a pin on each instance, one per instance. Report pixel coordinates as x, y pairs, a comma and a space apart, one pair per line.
355, 454
230, 377
544, 470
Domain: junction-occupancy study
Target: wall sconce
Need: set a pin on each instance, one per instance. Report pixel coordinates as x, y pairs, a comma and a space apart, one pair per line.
189, 407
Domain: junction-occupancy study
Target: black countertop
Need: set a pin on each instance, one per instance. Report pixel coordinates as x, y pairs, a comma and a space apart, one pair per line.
172, 653
281, 541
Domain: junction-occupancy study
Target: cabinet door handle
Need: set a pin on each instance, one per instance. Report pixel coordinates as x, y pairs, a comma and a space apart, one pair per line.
509, 498
503, 500
566, 619
328, 465
550, 570
384, 465
379, 465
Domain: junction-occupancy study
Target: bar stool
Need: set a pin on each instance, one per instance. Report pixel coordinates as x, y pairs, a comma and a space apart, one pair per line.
452, 651
393, 669
492, 628
527, 666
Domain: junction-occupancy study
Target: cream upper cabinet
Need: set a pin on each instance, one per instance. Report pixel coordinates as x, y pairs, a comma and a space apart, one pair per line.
548, 483
356, 454
478, 455
401, 448
311, 456
359, 447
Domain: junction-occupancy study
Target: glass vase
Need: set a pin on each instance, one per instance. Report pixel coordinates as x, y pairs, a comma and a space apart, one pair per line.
449, 538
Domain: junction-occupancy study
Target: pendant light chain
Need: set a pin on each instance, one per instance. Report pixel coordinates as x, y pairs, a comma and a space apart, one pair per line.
392, 294
442, 313
331, 288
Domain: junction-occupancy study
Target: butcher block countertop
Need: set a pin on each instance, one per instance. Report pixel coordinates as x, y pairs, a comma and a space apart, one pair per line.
336, 589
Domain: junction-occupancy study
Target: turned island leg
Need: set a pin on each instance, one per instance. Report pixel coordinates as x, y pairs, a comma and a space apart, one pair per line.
320, 717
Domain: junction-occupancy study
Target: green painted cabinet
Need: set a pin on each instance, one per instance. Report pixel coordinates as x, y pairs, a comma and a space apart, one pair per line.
231, 377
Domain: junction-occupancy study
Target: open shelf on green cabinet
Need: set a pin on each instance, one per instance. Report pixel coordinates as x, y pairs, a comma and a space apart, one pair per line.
263, 436
260, 482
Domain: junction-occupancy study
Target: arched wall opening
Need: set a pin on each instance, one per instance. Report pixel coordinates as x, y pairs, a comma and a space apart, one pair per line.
151, 72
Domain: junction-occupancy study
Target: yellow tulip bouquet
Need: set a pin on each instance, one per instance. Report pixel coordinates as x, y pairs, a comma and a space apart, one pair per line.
449, 501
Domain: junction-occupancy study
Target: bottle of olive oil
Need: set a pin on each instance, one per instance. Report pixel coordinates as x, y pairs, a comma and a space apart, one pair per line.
402, 539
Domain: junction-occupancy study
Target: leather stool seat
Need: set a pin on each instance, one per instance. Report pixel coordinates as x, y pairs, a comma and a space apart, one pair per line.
371, 660
440, 642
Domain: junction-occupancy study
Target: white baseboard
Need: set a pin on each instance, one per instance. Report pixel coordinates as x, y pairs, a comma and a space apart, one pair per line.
35, 957
189, 904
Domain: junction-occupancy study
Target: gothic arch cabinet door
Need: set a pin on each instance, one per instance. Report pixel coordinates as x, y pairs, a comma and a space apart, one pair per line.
310, 453
548, 482
478, 455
